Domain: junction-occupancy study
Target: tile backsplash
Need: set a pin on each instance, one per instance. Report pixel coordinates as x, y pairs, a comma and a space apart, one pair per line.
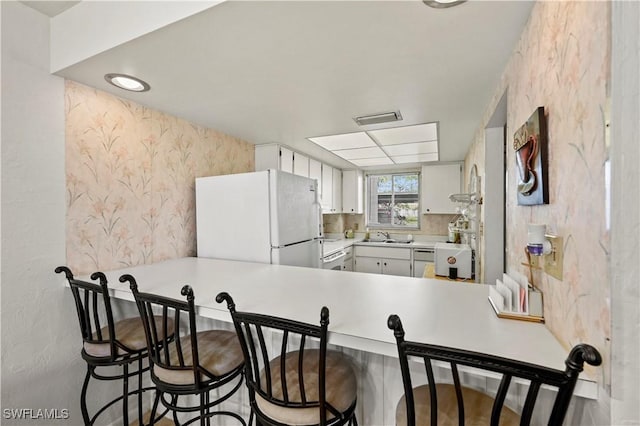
431, 224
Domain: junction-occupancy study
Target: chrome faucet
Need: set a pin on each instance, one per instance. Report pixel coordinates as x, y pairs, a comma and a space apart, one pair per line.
385, 235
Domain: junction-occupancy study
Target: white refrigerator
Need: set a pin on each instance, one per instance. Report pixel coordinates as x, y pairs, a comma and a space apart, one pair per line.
268, 216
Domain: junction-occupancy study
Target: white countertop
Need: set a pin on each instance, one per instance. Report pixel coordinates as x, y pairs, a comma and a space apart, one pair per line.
333, 245
439, 312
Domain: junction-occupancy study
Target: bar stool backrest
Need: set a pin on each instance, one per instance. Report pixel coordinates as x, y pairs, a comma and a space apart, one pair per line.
93, 307
265, 338
170, 355
563, 381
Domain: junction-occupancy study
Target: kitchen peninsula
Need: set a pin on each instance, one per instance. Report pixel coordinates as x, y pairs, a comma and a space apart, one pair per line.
435, 311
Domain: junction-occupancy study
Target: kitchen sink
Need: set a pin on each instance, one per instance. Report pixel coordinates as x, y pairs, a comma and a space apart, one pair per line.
390, 241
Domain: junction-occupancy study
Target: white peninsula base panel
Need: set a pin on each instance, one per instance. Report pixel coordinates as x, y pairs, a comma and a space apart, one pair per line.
434, 311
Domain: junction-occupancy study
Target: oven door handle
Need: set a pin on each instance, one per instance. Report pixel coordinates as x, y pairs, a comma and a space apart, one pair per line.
335, 256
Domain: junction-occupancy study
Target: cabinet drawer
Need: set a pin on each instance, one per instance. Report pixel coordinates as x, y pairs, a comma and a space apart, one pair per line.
384, 252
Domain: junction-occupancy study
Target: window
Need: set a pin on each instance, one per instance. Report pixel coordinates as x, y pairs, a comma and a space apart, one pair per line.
393, 200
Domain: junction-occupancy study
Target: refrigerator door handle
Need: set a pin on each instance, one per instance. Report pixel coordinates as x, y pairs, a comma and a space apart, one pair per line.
293, 244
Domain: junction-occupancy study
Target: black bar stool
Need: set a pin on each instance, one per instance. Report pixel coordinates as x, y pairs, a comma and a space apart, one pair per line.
443, 404
108, 343
194, 363
291, 376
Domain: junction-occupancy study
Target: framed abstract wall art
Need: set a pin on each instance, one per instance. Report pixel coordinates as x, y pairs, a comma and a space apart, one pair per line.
530, 145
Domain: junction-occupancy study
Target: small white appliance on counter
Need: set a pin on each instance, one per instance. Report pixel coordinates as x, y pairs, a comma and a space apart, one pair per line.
268, 217
422, 257
453, 256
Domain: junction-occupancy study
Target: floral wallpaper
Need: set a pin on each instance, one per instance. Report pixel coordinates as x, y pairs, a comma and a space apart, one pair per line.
562, 63
130, 174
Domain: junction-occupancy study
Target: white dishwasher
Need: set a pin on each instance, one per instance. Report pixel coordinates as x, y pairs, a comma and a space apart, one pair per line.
421, 258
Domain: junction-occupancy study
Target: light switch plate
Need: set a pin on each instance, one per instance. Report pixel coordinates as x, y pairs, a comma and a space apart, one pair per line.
535, 262
553, 260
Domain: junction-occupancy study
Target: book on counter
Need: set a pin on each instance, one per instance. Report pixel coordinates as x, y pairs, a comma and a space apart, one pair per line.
514, 297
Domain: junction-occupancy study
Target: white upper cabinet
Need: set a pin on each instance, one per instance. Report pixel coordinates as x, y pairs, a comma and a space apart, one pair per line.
267, 157
336, 204
273, 156
352, 191
315, 172
300, 164
286, 160
438, 182
327, 188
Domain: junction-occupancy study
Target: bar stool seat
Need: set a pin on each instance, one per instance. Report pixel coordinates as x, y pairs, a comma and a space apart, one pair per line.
219, 354
129, 338
477, 407
340, 386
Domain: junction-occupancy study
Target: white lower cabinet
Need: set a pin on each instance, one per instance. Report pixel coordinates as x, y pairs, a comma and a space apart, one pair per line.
383, 260
348, 259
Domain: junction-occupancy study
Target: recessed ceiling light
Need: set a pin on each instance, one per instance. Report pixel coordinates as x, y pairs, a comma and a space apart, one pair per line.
442, 4
127, 82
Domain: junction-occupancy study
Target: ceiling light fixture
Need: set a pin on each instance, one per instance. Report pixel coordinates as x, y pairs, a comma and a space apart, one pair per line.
443, 4
127, 82
384, 117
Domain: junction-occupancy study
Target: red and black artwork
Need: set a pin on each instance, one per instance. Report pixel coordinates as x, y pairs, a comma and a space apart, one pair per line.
530, 144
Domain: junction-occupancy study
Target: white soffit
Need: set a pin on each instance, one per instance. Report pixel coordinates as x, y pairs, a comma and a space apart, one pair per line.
73, 32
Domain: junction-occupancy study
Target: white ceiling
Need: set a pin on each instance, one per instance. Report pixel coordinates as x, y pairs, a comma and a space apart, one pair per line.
270, 71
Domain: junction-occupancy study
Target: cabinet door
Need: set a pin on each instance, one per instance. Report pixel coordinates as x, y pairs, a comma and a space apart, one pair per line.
300, 164
371, 265
337, 191
327, 188
348, 265
267, 157
352, 191
396, 267
315, 172
286, 160
438, 182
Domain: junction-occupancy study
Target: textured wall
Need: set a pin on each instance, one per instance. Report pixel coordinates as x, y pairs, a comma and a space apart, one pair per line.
130, 179
41, 364
562, 63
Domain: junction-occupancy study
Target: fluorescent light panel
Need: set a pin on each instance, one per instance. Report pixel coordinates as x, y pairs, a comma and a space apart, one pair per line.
412, 148
406, 134
344, 141
354, 154
420, 158
397, 145
372, 162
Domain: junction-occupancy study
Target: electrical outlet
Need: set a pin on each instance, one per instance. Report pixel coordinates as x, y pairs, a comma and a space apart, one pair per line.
553, 260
